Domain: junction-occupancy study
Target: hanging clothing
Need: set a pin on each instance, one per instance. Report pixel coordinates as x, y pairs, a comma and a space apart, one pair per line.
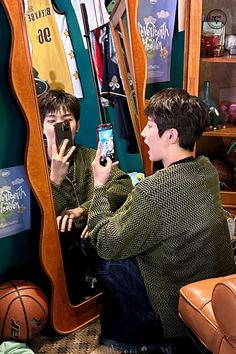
52, 51
97, 53
112, 88
96, 11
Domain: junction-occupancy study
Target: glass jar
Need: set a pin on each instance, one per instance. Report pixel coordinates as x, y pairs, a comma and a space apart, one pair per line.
212, 39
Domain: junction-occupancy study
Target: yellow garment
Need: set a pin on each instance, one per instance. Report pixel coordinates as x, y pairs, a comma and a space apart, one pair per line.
48, 54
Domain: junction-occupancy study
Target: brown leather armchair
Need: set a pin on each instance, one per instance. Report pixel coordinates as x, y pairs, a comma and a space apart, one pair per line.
208, 309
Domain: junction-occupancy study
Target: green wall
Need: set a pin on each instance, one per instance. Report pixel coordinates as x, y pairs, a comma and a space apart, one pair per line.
18, 253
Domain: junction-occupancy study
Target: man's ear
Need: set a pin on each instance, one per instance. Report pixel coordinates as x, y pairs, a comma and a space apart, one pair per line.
172, 135
77, 126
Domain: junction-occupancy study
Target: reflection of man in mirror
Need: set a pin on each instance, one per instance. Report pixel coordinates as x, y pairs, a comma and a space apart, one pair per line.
71, 179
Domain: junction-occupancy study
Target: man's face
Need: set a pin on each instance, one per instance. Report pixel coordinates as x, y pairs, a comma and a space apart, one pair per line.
56, 117
155, 143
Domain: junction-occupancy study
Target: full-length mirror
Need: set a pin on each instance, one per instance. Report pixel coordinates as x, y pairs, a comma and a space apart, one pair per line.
65, 317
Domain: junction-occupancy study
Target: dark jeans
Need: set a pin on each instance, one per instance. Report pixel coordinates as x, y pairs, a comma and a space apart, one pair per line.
80, 271
128, 321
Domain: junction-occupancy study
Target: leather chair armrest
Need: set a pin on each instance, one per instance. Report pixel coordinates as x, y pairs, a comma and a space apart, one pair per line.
224, 305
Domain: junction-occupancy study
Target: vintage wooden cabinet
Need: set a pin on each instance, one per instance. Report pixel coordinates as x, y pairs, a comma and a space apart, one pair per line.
221, 72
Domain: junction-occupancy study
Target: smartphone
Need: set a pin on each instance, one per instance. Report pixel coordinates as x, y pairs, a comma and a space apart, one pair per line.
62, 132
106, 137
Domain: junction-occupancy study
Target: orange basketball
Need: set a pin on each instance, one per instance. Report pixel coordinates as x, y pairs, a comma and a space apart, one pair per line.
23, 310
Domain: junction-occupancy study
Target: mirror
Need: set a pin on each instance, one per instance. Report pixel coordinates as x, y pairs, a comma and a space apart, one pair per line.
64, 316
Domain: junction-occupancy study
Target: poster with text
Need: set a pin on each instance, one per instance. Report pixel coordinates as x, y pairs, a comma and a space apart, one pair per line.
156, 19
14, 201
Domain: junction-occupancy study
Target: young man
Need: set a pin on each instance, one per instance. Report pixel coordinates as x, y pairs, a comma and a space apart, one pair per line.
71, 173
172, 222
72, 184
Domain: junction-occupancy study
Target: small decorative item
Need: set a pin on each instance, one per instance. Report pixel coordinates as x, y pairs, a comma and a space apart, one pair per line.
230, 41
228, 109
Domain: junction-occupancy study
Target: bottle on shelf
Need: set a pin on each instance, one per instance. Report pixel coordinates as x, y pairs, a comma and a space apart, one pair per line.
214, 114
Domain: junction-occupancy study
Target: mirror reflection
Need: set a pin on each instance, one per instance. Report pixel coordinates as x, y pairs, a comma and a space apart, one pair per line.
72, 188
60, 95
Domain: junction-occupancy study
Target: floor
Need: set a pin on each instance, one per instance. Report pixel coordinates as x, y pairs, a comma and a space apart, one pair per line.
83, 341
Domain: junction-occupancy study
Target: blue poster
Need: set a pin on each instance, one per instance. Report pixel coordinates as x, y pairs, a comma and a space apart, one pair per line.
156, 19
14, 201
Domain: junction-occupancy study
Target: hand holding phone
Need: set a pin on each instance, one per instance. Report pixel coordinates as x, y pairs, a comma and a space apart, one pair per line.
106, 138
62, 132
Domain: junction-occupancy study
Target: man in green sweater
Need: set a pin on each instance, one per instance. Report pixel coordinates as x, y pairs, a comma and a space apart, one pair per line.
172, 222
71, 178
70, 172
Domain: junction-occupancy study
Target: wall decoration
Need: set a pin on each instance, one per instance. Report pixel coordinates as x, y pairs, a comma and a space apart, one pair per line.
14, 201
156, 19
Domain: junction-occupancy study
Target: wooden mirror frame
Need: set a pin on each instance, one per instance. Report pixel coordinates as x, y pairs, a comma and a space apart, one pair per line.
64, 317
137, 61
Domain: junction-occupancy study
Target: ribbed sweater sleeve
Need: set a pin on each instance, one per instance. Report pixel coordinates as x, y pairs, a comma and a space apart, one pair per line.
126, 232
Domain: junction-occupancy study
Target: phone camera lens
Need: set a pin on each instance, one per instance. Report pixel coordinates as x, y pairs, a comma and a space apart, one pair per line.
66, 127
103, 161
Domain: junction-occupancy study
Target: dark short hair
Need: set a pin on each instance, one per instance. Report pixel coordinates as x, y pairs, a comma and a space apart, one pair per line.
176, 108
55, 100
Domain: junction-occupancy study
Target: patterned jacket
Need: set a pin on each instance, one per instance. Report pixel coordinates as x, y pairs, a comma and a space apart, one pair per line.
77, 188
173, 222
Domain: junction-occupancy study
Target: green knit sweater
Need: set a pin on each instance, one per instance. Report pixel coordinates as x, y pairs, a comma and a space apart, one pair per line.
174, 224
69, 195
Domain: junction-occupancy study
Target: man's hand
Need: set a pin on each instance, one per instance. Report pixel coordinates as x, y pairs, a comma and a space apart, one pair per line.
85, 232
101, 173
65, 220
60, 162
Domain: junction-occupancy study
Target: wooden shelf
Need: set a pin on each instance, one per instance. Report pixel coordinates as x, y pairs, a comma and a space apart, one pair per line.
228, 198
226, 58
229, 132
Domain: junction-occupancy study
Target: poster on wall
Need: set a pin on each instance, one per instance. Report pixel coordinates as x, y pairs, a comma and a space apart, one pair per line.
14, 201
156, 19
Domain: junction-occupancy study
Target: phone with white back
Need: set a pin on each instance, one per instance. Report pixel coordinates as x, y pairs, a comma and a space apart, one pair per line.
106, 137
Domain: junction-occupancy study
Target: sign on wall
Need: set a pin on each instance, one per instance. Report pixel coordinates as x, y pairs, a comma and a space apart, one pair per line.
156, 19
14, 201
